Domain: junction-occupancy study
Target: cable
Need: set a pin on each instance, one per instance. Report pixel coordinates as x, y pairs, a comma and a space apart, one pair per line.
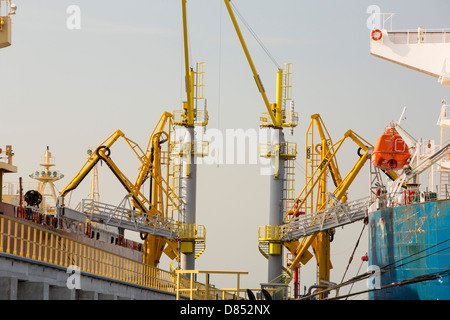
351, 257
219, 82
421, 278
255, 36
384, 270
417, 259
351, 287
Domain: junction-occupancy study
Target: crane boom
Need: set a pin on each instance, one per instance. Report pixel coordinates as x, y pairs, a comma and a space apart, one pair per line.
276, 119
188, 71
90, 163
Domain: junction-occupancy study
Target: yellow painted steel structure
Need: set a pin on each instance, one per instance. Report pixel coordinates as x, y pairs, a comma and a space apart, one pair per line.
190, 115
284, 153
193, 237
155, 165
316, 181
279, 117
158, 167
207, 292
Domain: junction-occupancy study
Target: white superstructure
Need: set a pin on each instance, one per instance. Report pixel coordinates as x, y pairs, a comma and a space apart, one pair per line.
423, 50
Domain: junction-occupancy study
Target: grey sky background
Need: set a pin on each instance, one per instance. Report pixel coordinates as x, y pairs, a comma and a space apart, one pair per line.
70, 89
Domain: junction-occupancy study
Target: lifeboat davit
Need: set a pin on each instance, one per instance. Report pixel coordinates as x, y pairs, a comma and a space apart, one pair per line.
390, 152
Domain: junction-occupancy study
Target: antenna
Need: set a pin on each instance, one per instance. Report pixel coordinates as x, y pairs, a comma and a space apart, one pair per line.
401, 116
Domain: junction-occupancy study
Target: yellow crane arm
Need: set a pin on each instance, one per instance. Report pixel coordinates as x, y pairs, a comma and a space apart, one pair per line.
139, 199
189, 73
153, 143
340, 190
276, 119
90, 163
325, 136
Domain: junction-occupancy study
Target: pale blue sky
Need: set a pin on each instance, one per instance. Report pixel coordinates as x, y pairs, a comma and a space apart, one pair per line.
70, 89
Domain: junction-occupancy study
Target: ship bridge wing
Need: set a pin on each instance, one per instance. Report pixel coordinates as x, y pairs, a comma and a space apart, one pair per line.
426, 51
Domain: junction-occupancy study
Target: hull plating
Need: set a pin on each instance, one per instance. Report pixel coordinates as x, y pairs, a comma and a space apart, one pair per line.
402, 234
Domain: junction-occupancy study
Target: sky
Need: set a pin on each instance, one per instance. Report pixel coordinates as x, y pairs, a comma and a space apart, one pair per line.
69, 89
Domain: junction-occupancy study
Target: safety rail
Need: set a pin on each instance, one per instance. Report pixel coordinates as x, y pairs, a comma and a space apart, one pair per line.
406, 197
25, 240
207, 291
191, 232
198, 148
200, 118
288, 119
270, 233
286, 149
416, 37
22, 238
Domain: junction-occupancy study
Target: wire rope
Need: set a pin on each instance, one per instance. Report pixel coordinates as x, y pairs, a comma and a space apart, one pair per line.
220, 76
385, 269
351, 257
249, 28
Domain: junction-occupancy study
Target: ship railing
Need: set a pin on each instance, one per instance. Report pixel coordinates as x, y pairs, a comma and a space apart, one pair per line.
22, 238
382, 20
420, 36
25, 239
405, 197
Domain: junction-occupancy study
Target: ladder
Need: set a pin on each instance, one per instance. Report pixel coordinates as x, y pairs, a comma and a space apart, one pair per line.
288, 185
312, 162
174, 181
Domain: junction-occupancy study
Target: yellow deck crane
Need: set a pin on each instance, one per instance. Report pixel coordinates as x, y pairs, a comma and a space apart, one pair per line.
279, 115
271, 236
185, 151
170, 166
321, 161
156, 166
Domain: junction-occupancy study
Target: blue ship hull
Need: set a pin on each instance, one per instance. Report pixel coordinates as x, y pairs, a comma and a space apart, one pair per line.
399, 235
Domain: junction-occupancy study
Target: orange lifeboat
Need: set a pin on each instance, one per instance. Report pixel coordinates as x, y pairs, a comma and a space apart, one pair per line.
390, 152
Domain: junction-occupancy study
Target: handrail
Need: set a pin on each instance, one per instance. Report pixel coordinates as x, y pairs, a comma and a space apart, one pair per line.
22, 238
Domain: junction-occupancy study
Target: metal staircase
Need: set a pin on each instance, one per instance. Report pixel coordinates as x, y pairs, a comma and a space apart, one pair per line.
286, 276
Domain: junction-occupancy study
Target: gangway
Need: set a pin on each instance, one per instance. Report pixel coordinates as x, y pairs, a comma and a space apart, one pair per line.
128, 218
336, 216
